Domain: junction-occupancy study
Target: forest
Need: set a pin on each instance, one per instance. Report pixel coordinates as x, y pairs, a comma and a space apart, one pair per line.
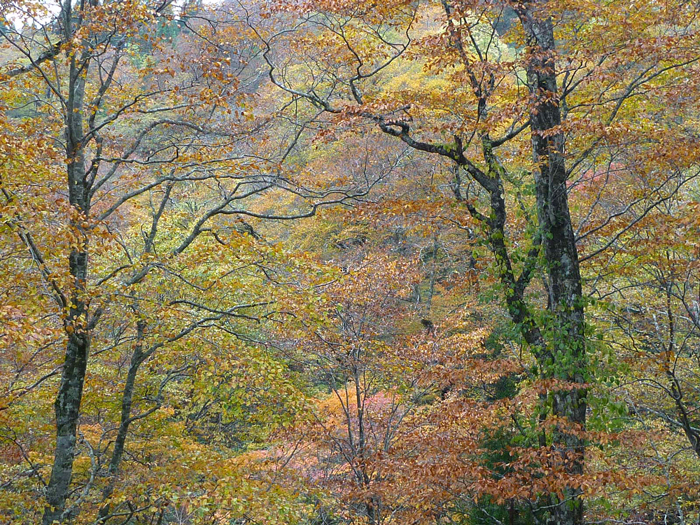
349, 262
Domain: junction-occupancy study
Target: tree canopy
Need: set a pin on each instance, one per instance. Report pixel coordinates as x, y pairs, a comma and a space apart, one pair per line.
347, 262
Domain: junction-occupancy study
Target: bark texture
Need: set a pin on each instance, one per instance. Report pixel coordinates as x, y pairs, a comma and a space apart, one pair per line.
566, 360
70, 392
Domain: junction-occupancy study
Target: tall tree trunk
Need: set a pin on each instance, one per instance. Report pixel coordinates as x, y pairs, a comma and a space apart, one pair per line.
567, 360
70, 392
67, 408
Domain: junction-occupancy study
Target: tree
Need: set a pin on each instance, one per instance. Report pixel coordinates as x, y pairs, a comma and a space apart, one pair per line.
133, 221
352, 55
562, 357
154, 155
655, 330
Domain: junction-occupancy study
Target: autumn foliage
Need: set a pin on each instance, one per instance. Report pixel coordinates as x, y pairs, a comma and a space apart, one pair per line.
348, 262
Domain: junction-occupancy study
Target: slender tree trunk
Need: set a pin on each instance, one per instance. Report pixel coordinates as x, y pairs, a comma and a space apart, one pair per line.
70, 392
137, 358
567, 361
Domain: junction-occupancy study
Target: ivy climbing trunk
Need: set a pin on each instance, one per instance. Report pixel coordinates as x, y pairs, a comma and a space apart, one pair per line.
566, 360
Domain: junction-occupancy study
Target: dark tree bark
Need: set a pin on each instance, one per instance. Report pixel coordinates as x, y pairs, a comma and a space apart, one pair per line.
568, 361
559, 345
137, 358
76, 323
